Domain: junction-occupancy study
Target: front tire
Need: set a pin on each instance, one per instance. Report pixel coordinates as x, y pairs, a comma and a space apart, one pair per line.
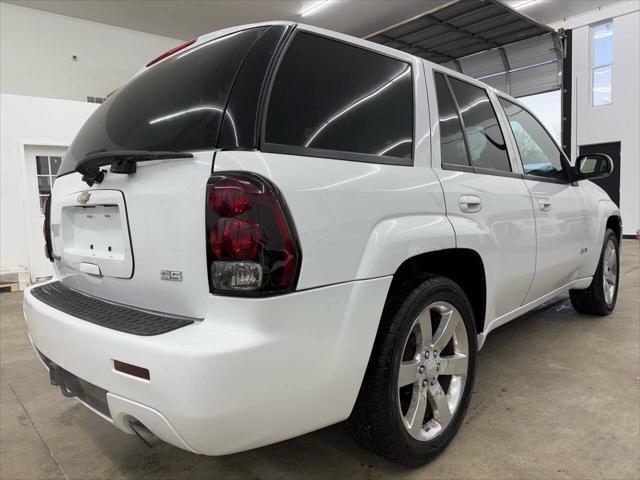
420, 376
601, 296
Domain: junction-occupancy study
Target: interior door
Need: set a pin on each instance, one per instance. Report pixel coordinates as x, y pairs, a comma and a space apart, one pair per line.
561, 208
41, 169
487, 202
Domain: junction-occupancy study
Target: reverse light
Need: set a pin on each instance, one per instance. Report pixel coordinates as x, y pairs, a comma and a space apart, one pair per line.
166, 54
251, 243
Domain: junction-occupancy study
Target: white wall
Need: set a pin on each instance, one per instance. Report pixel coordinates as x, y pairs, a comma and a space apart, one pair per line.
28, 120
35, 62
36, 49
619, 121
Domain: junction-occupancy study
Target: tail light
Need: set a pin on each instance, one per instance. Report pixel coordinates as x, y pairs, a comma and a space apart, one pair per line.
252, 247
46, 229
182, 46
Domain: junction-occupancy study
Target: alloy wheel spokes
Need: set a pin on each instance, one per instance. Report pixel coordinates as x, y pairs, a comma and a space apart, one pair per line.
408, 373
428, 406
424, 323
448, 324
439, 404
415, 415
455, 365
610, 272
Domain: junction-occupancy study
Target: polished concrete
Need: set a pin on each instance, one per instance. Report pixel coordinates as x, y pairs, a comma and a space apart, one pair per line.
557, 396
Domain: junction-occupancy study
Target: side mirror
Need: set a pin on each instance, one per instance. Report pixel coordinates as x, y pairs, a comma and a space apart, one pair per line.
593, 166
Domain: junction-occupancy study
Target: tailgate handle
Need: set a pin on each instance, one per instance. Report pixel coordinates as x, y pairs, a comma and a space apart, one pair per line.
90, 268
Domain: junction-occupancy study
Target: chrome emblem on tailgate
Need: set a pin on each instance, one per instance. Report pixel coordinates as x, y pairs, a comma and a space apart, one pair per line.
84, 197
171, 275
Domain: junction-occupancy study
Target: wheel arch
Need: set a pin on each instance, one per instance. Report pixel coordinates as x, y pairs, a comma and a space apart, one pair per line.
463, 266
614, 222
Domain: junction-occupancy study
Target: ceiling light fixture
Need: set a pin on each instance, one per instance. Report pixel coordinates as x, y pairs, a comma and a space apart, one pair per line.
315, 7
525, 4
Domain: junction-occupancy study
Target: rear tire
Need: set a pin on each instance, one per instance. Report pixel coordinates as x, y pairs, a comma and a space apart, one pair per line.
427, 330
601, 296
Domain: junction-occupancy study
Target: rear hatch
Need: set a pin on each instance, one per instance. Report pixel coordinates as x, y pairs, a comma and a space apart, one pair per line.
138, 238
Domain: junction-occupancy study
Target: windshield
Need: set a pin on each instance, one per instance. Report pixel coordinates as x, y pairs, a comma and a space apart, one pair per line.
175, 105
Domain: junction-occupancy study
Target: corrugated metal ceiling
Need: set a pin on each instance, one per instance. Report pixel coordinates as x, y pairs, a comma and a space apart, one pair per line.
460, 29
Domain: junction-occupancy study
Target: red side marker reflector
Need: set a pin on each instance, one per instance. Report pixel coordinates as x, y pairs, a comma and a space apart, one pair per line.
131, 369
182, 46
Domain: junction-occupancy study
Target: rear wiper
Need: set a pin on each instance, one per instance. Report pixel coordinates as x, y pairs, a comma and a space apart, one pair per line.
121, 161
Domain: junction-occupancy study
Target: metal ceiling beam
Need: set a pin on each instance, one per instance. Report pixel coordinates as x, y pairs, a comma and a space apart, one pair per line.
413, 45
507, 67
454, 18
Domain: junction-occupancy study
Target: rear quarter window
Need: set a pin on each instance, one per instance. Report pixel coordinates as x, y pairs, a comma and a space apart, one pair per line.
337, 100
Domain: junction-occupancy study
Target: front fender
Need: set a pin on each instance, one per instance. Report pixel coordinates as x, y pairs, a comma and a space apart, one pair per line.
603, 211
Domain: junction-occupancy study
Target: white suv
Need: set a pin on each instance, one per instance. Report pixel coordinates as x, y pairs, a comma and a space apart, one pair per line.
274, 228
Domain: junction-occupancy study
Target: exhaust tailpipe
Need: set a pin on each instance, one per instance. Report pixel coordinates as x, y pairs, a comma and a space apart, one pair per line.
146, 435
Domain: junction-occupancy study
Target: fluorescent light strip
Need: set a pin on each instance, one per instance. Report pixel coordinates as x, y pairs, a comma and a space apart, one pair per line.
314, 9
524, 4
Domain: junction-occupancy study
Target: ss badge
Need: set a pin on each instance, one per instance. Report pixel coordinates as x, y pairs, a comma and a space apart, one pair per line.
171, 275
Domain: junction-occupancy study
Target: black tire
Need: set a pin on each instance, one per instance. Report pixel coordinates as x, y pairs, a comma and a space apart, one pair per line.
376, 422
591, 301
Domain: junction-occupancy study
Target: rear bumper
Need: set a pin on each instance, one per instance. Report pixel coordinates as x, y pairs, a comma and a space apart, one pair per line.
253, 372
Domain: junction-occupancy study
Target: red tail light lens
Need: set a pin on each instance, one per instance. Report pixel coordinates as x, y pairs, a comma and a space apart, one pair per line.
252, 246
182, 46
235, 239
230, 197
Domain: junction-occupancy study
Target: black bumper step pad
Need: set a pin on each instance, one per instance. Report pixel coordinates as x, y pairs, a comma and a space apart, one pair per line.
109, 315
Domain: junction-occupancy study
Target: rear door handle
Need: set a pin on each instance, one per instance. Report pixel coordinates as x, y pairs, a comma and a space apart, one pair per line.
544, 204
470, 203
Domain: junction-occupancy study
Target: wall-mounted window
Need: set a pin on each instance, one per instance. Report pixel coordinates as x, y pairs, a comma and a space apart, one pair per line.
47, 169
602, 63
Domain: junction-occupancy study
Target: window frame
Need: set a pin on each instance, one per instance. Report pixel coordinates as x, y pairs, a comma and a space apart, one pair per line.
329, 154
594, 67
471, 168
566, 165
50, 176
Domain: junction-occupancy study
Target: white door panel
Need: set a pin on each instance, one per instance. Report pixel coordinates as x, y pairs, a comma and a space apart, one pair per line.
563, 220
501, 228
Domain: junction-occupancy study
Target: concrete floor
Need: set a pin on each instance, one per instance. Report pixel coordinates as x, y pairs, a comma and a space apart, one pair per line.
557, 396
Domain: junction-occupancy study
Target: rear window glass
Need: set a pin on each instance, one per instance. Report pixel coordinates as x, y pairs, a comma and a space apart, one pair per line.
176, 105
329, 95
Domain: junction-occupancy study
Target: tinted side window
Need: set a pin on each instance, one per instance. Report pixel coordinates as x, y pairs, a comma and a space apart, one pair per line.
333, 96
539, 153
487, 147
452, 146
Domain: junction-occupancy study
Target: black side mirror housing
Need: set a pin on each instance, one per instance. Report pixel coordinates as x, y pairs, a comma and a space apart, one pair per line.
593, 166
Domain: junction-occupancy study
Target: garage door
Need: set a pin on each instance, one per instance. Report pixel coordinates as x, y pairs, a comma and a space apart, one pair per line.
487, 40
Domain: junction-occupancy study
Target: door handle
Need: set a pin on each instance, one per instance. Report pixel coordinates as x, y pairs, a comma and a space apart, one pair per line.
470, 203
544, 204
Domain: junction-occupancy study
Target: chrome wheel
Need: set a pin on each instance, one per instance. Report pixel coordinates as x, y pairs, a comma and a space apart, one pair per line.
433, 371
609, 272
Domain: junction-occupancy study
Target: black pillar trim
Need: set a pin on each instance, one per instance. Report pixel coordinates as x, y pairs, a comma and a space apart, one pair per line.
567, 93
